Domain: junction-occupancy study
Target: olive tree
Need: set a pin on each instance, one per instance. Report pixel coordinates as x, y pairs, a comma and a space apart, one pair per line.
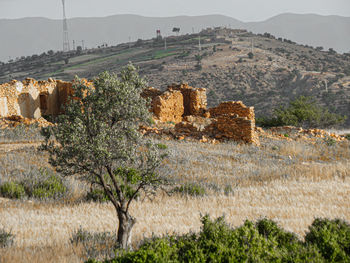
97, 139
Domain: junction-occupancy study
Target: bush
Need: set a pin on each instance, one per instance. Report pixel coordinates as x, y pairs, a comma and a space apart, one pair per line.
304, 112
6, 238
45, 186
12, 190
191, 189
332, 238
263, 241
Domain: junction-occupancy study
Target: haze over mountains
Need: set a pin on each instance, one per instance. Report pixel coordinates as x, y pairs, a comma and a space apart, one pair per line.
27, 36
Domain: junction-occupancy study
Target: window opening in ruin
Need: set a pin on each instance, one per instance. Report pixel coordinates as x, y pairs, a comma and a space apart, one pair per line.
43, 102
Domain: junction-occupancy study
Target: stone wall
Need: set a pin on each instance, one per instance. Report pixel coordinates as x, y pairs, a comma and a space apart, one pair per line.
235, 120
233, 107
168, 106
194, 100
33, 99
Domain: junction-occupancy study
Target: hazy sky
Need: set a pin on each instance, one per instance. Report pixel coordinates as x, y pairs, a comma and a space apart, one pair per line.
246, 10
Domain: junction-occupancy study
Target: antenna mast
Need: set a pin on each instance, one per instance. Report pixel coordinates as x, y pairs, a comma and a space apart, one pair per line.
66, 46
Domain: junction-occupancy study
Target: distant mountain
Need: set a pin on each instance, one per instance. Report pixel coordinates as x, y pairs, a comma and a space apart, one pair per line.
27, 36
315, 30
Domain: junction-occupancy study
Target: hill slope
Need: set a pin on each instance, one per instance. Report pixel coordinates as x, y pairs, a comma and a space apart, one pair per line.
29, 36
276, 72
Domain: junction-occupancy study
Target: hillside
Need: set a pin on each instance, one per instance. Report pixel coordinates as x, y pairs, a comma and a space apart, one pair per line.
27, 36
278, 70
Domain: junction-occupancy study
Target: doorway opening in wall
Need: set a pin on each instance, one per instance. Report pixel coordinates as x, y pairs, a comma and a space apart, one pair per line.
43, 102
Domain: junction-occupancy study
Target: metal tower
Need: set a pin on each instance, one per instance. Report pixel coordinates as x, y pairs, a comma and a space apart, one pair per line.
66, 46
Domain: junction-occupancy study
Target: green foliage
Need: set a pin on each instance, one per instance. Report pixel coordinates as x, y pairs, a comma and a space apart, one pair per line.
347, 136
190, 189
332, 238
162, 146
250, 55
303, 111
46, 186
263, 241
6, 238
52, 187
12, 190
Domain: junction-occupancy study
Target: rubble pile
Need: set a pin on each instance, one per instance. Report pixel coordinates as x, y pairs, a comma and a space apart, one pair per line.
290, 133
15, 120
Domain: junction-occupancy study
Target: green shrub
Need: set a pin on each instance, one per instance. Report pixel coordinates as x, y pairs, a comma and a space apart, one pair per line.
332, 238
190, 189
218, 242
46, 185
162, 146
12, 190
303, 111
6, 238
347, 136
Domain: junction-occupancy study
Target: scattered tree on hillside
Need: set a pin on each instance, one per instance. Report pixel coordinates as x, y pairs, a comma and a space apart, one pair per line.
97, 140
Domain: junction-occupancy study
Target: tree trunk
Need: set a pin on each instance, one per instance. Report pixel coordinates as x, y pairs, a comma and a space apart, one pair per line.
126, 223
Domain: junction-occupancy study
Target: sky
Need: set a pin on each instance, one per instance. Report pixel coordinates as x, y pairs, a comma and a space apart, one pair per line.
244, 10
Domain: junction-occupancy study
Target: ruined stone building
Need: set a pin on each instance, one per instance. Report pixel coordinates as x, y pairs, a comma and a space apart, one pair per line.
187, 108
182, 105
33, 99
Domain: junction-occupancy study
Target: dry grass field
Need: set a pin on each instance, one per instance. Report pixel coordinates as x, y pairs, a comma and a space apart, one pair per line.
291, 182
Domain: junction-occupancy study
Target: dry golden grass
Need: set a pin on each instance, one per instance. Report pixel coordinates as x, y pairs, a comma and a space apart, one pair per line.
290, 182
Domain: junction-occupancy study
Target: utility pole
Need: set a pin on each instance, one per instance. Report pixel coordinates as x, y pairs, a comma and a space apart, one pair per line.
82, 44
73, 44
199, 43
129, 42
165, 46
325, 81
66, 46
252, 45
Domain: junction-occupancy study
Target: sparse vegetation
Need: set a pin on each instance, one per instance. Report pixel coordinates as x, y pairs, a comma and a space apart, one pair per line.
45, 186
304, 112
6, 238
94, 244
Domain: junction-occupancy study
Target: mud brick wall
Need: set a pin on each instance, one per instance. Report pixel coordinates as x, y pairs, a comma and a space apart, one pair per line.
168, 106
233, 107
195, 100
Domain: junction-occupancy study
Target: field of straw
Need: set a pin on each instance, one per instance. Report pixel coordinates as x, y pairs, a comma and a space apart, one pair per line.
291, 182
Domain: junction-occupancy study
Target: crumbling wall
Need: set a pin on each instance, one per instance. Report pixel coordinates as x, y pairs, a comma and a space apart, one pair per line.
150, 93
236, 128
33, 99
194, 100
233, 107
168, 106
235, 120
